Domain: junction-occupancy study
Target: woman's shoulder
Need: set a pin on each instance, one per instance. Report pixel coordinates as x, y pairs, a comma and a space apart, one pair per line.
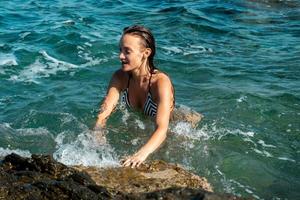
121, 78
161, 84
163, 87
161, 78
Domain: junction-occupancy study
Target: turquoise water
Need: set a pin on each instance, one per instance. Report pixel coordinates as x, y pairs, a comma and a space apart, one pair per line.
236, 62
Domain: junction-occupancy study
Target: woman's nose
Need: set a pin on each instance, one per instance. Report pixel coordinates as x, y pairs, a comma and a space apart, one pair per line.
121, 55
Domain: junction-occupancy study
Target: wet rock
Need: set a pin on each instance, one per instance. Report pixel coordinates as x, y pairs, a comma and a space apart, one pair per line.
153, 176
41, 177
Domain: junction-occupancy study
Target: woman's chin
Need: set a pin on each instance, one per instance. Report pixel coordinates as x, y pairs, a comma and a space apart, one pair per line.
125, 68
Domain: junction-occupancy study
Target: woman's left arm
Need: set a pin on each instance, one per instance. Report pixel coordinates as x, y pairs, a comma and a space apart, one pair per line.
164, 108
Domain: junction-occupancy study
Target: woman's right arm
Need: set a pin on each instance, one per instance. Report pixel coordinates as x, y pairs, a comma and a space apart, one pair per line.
111, 99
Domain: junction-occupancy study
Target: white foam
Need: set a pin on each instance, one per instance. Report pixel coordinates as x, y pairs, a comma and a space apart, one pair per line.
218, 170
91, 61
207, 132
181, 128
85, 150
286, 159
5, 152
140, 124
32, 72
263, 152
243, 133
125, 115
80, 47
23, 35
241, 99
266, 145
47, 66
255, 196
67, 118
96, 34
188, 50
171, 50
5, 126
202, 48
135, 141
247, 139
69, 22
8, 60
227, 185
33, 131
230, 185
88, 44
57, 62
193, 49
24, 131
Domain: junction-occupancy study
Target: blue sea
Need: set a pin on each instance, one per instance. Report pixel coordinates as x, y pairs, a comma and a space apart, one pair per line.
236, 62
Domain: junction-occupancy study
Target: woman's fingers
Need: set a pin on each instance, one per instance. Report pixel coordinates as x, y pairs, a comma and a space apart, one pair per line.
132, 162
126, 162
139, 163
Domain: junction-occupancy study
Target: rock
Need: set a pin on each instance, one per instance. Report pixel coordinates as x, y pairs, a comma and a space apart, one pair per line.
41, 177
185, 114
150, 177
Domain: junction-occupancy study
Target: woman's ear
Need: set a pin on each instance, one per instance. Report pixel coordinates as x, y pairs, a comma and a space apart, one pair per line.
147, 52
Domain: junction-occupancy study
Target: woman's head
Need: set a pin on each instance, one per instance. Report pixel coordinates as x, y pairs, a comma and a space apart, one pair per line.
146, 42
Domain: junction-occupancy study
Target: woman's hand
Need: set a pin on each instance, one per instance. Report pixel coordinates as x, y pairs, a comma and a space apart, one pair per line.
136, 159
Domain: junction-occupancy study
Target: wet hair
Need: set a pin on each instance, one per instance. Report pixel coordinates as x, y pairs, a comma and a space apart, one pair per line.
147, 40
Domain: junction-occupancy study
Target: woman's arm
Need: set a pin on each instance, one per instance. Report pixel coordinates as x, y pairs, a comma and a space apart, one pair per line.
165, 101
111, 99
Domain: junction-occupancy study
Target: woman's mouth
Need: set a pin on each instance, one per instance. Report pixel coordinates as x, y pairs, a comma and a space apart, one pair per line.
124, 63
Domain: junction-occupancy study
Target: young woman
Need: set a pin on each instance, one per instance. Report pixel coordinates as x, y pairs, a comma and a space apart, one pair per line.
143, 87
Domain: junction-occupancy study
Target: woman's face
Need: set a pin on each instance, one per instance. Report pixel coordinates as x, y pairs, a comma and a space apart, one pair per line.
132, 54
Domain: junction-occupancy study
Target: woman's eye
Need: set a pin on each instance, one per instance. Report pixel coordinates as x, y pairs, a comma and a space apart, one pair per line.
125, 51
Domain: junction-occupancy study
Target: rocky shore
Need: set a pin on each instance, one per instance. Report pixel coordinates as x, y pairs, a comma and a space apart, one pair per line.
41, 177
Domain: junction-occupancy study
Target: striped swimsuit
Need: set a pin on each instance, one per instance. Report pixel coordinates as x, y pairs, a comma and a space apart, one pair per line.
150, 107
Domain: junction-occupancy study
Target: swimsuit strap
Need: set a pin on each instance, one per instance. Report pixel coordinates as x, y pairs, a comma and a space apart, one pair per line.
127, 91
149, 91
129, 77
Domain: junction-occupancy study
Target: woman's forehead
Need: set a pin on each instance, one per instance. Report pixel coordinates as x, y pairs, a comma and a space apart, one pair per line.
130, 41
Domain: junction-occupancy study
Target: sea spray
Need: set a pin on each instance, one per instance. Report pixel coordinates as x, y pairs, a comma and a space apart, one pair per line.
84, 150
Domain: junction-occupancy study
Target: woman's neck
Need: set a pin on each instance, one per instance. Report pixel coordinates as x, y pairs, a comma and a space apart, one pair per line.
141, 74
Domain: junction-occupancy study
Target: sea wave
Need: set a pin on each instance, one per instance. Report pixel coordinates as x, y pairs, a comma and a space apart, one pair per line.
47, 66
8, 60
